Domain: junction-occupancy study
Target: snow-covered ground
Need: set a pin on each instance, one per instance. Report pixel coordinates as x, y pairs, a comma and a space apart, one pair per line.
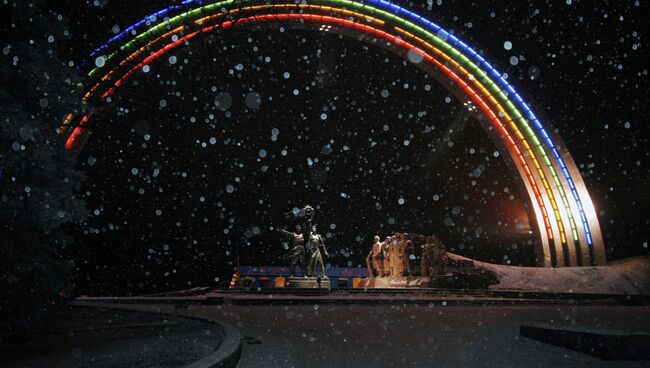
628, 276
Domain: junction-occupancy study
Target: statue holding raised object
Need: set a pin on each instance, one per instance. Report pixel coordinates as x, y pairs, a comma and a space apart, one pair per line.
297, 252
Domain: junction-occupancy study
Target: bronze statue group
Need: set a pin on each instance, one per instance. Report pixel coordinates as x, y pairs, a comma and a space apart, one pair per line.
307, 246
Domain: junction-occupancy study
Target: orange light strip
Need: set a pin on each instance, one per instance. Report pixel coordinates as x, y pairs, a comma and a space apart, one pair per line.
511, 124
391, 38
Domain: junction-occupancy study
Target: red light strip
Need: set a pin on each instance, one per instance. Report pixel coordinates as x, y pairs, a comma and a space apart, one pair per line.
79, 131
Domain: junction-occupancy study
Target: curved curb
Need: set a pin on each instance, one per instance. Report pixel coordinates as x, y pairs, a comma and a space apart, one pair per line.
228, 353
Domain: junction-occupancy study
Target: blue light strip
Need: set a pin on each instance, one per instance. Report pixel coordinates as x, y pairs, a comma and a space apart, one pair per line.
449, 37
441, 34
150, 17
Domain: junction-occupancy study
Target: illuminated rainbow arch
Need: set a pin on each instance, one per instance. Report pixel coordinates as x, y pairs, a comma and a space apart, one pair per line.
569, 233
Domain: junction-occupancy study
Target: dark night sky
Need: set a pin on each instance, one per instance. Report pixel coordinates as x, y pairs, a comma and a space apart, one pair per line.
163, 214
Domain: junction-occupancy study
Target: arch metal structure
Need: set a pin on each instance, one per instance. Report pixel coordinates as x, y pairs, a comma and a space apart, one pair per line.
569, 233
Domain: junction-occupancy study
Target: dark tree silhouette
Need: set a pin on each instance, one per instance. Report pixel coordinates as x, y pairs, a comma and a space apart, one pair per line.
38, 179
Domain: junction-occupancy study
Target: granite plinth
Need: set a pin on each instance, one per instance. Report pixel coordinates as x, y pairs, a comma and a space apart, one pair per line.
391, 282
308, 283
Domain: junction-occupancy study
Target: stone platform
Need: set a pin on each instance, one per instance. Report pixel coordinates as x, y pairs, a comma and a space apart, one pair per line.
602, 343
308, 283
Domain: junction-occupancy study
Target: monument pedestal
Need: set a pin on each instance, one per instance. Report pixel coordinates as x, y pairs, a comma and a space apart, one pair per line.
308, 283
395, 282
398, 282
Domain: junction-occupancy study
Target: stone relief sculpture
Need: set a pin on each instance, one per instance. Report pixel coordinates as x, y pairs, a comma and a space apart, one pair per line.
395, 256
434, 258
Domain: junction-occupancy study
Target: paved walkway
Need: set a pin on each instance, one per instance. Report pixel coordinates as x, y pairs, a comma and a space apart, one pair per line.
107, 338
374, 336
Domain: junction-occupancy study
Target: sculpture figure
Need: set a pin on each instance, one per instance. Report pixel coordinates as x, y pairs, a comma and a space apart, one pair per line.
433, 258
375, 259
306, 215
401, 251
387, 255
397, 252
297, 252
316, 246
395, 261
